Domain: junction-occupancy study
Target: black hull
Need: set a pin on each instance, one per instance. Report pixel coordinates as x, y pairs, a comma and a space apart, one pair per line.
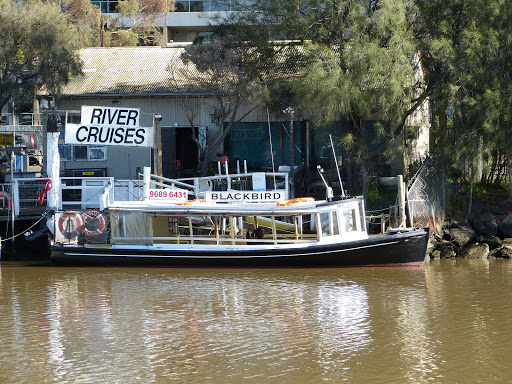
407, 248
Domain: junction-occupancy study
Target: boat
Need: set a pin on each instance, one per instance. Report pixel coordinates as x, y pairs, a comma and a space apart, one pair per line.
213, 232
209, 222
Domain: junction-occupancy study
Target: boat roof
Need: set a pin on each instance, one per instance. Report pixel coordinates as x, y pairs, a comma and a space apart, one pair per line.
223, 209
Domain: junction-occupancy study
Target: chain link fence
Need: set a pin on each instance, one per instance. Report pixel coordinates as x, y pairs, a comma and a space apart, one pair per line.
425, 200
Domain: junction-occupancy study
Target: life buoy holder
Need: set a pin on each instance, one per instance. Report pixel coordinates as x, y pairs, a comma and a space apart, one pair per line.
7, 197
94, 223
296, 201
70, 224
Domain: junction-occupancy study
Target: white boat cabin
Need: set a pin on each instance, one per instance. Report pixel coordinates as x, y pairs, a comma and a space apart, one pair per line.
154, 223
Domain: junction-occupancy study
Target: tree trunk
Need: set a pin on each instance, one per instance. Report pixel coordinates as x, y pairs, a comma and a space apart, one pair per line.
364, 158
204, 164
509, 177
471, 183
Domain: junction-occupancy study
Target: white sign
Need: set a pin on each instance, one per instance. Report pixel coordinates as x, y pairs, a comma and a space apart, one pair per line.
259, 182
110, 117
247, 196
168, 194
109, 126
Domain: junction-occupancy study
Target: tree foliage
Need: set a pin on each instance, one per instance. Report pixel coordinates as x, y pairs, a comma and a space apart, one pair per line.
37, 47
217, 69
357, 57
139, 22
85, 18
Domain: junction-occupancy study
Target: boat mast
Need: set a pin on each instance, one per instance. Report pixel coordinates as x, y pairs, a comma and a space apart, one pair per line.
337, 167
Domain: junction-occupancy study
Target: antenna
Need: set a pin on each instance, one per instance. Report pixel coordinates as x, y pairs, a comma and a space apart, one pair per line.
337, 167
327, 188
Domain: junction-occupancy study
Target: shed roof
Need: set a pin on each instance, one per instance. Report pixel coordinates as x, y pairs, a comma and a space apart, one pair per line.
132, 71
127, 71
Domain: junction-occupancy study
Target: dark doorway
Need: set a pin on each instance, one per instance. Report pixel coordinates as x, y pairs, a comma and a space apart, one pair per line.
169, 152
186, 150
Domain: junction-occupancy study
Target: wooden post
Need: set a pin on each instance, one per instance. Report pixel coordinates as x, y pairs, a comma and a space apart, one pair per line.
157, 148
274, 230
232, 229
190, 228
216, 224
401, 201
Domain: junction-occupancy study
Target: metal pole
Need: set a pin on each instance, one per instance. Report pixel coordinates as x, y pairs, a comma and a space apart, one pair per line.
290, 111
337, 166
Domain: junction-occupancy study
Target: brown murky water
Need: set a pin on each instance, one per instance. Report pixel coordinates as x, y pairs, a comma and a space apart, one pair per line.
449, 322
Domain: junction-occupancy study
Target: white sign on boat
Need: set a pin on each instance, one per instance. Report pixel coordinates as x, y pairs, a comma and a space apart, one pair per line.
109, 126
168, 194
245, 196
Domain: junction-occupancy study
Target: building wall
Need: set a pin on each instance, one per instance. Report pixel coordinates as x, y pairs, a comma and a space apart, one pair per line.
126, 162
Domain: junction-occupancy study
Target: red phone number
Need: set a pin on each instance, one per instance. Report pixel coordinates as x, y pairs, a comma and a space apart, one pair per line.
168, 194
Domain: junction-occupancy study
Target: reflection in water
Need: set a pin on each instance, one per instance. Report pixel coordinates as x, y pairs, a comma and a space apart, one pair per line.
449, 322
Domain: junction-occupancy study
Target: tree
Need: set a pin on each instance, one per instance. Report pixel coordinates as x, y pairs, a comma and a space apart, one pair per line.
138, 22
85, 18
37, 48
361, 69
356, 63
216, 70
466, 51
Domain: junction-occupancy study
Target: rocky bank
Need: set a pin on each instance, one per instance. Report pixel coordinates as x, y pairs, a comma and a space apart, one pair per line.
486, 235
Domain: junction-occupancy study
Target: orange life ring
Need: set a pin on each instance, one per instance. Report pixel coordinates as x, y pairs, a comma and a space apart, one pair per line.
194, 202
94, 223
70, 225
296, 201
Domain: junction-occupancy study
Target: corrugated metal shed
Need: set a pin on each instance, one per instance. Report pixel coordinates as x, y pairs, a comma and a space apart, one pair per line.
149, 71
129, 71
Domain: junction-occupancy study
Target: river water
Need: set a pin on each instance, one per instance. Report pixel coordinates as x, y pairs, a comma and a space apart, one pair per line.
448, 322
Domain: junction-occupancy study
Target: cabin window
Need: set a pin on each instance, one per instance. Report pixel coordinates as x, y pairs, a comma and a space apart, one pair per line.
329, 223
131, 228
97, 153
65, 152
349, 223
82, 152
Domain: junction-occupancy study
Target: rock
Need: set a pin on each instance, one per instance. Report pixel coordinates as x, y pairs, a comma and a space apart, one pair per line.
446, 250
502, 209
485, 223
475, 251
505, 226
493, 242
507, 241
463, 224
478, 206
504, 252
436, 254
462, 236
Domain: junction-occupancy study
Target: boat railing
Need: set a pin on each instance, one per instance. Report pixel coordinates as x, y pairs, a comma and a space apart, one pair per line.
82, 192
97, 192
234, 240
259, 181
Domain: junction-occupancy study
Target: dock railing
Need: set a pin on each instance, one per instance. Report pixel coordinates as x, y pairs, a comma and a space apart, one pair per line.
75, 193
